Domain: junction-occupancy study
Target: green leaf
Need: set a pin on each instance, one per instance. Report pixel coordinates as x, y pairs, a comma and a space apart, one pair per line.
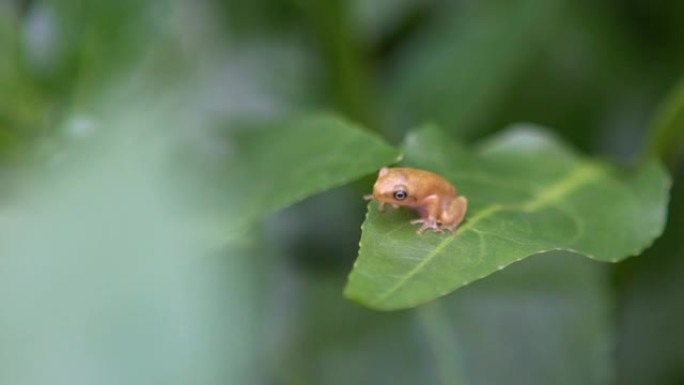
527, 194
651, 312
460, 67
321, 347
277, 166
547, 320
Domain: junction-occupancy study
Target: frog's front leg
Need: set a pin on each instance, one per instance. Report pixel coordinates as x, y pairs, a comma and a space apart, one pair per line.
428, 210
370, 197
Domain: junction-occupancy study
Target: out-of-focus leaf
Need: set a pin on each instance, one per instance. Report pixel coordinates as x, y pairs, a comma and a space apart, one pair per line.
380, 17
103, 280
271, 168
527, 194
245, 17
456, 72
57, 57
347, 78
544, 320
651, 310
328, 341
667, 133
94, 41
22, 107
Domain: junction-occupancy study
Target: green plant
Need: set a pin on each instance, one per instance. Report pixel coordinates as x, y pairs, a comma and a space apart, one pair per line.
174, 207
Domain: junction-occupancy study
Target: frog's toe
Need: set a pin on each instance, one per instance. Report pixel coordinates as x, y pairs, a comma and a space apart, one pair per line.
428, 224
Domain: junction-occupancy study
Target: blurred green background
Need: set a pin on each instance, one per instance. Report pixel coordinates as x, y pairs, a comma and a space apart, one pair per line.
114, 119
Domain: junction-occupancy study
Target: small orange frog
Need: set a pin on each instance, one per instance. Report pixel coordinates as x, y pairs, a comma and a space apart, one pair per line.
433, 197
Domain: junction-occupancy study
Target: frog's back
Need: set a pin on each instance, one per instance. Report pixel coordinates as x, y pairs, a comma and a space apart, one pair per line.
426, 183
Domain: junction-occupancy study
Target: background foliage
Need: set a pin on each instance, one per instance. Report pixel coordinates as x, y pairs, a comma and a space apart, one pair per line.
147, 146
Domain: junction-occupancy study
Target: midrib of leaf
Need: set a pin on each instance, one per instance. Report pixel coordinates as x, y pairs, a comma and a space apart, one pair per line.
558, 190
578, 177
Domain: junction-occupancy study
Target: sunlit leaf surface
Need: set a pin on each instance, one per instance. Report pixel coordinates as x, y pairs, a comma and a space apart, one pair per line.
527, 194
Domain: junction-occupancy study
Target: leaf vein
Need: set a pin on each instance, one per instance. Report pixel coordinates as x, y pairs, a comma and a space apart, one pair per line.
572, 181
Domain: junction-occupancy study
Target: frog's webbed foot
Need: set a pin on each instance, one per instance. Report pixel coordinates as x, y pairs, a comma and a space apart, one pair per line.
428, 223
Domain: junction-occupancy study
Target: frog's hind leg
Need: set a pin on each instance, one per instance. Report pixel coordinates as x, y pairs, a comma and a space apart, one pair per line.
458, 208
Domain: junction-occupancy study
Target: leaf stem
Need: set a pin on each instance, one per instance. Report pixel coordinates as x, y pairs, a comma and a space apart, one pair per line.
442, 340
349, 77
666, 140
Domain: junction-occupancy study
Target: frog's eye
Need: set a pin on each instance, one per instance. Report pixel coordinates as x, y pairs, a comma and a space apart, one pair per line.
400, 194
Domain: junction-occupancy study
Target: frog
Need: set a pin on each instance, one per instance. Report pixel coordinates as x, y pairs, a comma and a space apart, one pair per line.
433, 197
